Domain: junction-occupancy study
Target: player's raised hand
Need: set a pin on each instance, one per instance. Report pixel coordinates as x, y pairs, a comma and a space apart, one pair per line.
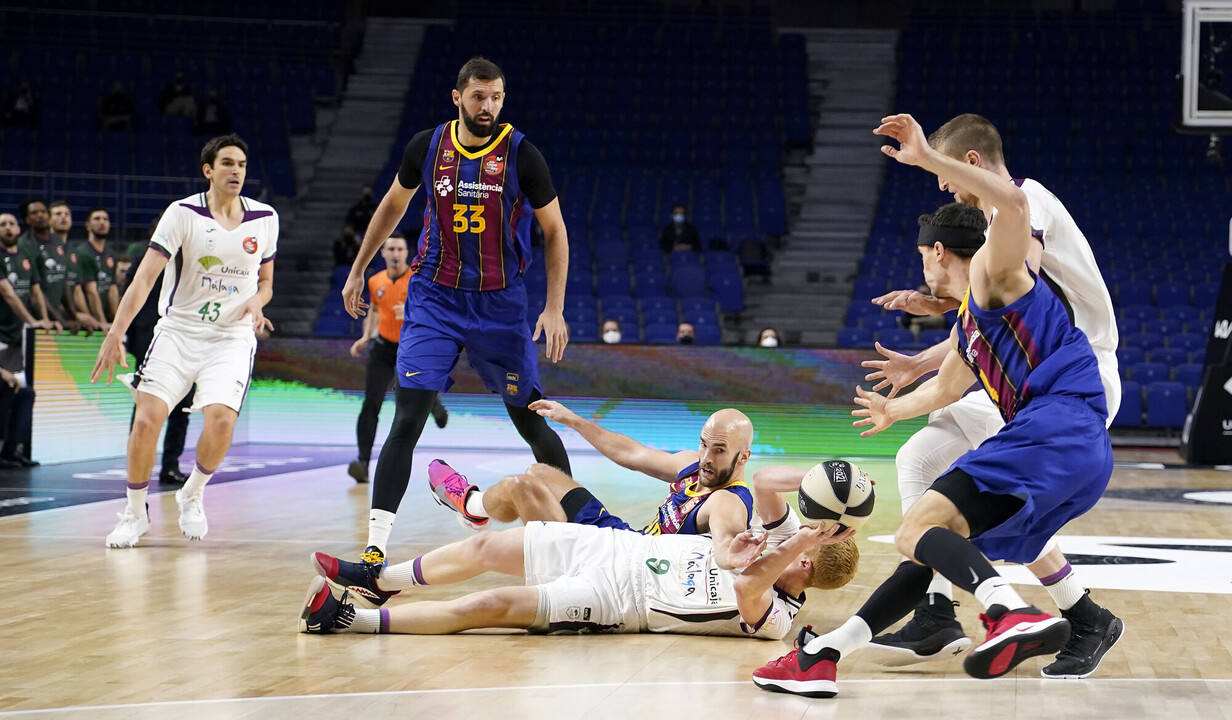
897, 370
260, 323
110, 353
913, 147
872, 412
552, 410
353, 296
826, 534
555, 330
914, 302
746, 547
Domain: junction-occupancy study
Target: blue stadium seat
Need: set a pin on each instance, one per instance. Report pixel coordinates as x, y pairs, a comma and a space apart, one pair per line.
612, 280
1171, 294
928, 338
688, 281
1189, 342
896, 338
1140, 313
691, 305
708, 334
1170, 356
1128, 355
583, 332
1147, 372
855, 338
879, 322
1166, 404
729, 291
661, 334
1188, 374
1130, 412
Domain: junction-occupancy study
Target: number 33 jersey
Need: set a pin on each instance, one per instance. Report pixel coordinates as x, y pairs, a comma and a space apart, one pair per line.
212, 271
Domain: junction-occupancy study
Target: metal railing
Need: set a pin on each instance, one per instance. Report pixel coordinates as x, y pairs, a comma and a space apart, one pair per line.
134, 201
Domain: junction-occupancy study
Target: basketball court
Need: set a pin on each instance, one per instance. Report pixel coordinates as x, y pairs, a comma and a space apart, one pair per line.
208, 629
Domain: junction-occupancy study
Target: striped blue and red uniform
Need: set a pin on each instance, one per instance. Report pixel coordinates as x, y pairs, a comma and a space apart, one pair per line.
476, 231
1053, 452
467, 290
678, 513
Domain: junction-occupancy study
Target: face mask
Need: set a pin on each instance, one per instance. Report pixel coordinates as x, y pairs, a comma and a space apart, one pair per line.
678, 218
769, 342
611, 337
686, 339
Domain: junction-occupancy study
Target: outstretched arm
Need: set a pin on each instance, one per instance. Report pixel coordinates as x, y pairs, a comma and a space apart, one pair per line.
726, 518
755, 586
947, 386
621, 449
1009, 234
899, 370
384, 220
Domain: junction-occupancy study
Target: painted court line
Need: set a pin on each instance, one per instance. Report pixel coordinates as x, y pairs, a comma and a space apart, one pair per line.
578, 686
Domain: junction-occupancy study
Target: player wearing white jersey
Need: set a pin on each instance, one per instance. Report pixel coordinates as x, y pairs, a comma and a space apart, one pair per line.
216, 250
584, 578
1064, 259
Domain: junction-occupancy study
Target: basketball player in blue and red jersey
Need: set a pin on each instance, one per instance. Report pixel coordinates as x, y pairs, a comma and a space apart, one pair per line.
484, 181
707, 493
1005, 499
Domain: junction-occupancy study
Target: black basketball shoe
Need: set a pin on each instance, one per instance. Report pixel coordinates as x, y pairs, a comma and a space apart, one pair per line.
1092, 633
933, 633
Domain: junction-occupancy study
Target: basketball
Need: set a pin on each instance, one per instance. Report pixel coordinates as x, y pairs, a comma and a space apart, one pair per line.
836, 491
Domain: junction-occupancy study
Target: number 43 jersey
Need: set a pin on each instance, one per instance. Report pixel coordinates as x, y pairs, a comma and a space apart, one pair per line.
212, 271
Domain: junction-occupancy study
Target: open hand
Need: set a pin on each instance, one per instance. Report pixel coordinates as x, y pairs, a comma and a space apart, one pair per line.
353, 296
913, 147
897, 370
552, 325
552, 410
110, 353
872, 412
746, 547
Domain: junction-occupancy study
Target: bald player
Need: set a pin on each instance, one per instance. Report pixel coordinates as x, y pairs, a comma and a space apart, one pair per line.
708, 492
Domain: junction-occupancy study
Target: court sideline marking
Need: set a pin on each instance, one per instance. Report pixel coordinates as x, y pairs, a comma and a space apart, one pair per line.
578, 686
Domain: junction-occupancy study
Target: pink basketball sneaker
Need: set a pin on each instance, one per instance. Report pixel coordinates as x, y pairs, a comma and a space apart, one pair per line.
450, 489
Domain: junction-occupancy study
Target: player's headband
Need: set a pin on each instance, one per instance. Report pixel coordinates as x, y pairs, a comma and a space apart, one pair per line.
954, 238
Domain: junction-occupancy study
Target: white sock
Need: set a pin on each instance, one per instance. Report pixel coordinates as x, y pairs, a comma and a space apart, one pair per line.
1067, 591
136, 500
998, 591
401, 576
942, 586
474, 504
380, 525
195, 484
846, 638
366, 621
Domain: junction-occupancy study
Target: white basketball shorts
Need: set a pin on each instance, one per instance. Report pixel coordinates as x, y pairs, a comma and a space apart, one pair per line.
221, 366
585, 577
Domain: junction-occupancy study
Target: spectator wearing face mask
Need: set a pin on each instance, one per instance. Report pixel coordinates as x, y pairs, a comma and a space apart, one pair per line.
685, 334
611, 332
680, 234
769, 338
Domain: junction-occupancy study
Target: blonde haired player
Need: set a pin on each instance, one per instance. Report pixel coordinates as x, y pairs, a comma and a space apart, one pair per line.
1064, 259
585, 578
223, 246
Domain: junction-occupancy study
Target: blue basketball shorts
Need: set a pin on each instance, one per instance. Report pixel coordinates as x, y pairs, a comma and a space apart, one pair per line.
440, 322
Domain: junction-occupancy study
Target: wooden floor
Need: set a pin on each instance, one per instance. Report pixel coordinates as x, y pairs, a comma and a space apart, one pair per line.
207, 630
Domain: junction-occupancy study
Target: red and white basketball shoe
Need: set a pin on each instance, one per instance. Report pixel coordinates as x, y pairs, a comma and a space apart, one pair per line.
799, 672
1014, 636
450, 489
